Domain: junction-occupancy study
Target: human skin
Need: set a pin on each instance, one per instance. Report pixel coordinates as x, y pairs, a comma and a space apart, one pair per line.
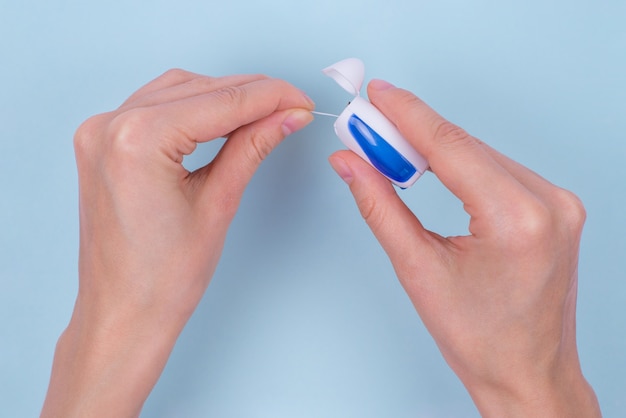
151, 232
501, 301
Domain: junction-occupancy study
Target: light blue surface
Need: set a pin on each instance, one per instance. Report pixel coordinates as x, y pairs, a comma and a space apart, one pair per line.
304, 317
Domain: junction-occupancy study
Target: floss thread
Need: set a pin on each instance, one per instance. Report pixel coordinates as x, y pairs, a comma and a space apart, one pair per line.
324, 114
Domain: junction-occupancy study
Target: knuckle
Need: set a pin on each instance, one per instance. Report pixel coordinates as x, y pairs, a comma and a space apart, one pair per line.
403, 107
282, 85
202, 82
371, 212
127, 130
118, 135
408, 100
231, 96
283, 93
87, 134
532, 224
535, 223
571, 210
447, 133
261, 145
259, 76
176, 75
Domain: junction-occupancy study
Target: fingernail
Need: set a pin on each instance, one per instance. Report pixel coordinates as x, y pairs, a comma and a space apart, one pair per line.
296, 120
340, 166
380, 85
308, 99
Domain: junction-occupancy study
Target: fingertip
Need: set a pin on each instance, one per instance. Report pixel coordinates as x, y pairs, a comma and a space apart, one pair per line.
388, 97
380, 85
362, 178
341, 167
296, 120
378, 202
308, 99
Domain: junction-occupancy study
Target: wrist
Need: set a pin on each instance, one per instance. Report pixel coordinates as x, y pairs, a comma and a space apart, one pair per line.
107, 362
563, 394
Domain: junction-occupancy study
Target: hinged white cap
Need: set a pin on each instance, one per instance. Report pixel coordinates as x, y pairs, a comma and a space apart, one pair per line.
348, 73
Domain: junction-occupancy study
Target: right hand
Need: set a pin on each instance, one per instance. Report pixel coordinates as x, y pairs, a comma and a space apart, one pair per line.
499, 302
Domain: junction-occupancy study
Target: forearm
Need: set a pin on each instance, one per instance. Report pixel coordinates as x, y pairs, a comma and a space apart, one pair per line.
107, 365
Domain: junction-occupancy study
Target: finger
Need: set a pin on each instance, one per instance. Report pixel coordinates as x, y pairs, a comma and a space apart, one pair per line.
241, 155
191, 87
181, 124
409, 246
458, 159
566, 206
530, 179
169, 78
215, 114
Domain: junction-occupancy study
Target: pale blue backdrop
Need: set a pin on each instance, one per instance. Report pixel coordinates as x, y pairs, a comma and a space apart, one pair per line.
304, 317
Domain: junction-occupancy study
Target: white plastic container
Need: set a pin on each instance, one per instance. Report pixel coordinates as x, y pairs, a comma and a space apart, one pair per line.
368, 133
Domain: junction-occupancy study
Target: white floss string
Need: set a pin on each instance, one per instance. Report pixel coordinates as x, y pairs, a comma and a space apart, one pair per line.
325, 114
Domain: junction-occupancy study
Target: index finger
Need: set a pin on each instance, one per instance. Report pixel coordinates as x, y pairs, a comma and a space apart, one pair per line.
174, 127
458, 159
217, 113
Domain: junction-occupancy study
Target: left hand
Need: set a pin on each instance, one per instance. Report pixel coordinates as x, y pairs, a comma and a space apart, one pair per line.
151, 232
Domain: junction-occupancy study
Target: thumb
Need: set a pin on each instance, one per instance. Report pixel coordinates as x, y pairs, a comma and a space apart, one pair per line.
223, 181
400, 233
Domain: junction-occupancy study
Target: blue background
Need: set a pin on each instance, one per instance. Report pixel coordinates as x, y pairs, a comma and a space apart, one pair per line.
304, 317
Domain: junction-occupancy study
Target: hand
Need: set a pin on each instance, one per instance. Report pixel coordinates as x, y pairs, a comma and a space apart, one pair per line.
500, 302
151, 232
